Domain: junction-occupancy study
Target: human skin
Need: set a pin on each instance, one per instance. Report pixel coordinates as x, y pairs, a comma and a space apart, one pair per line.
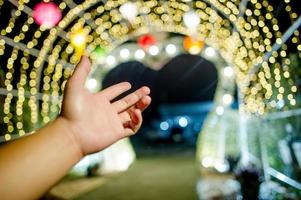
88, 123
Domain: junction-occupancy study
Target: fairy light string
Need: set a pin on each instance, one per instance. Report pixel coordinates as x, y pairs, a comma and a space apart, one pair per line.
243, 35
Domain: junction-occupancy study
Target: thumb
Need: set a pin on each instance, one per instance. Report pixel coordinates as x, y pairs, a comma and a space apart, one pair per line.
81, 72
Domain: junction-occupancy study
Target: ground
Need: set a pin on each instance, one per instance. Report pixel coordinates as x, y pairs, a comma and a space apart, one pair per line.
161, 177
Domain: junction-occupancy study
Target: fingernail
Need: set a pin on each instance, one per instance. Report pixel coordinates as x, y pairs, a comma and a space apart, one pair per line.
146, 89
129, 84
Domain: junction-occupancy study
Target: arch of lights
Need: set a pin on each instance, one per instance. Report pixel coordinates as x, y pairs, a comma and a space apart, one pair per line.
36, 62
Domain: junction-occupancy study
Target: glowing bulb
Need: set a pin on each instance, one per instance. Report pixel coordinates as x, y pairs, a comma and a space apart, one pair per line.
99, 54
154, 50
207, 162
91, 84
110, 60
219, 110
164, 126
228, 71
183, 122
47, 14
146, 41
221, 167
193, 45
194, 50
129, 11
191, 19
289, 127
124, 53
171, 49
280, 104
139, 54
79, 39
227, 99
210, 52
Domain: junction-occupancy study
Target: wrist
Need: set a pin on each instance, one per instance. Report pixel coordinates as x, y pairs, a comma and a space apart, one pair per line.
70, 134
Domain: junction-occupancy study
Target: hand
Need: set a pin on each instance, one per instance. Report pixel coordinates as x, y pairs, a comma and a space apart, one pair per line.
94, 120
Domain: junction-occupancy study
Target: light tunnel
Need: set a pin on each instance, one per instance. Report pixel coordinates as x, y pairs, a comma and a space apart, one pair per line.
37, 60
258, 42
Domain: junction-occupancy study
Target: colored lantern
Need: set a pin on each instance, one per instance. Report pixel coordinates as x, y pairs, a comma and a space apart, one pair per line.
47, 14
78, 39
99, 54
192, 45
146, 41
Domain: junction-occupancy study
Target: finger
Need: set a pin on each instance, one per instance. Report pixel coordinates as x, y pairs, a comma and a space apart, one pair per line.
125, 117
81, 72
136, 117
115, 90
130, 99
143, 103
133, 126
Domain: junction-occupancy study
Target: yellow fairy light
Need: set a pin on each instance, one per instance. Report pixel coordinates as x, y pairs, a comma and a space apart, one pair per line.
256, 32
294, 89
78, 39
293, 102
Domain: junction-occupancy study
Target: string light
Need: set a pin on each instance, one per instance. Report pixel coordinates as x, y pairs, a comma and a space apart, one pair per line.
154, 50
146, 41
99, 54
256, 32
228, 71
191, 19
220, 110
124, 53
129, 11
171, 49
110, 60
193, 45
210, 52
139, 54
227, 99
91, 84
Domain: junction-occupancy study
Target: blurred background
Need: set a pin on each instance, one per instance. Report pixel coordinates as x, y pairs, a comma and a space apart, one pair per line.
224, 122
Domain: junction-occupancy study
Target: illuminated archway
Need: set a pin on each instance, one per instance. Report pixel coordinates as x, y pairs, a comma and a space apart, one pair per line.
246, 33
